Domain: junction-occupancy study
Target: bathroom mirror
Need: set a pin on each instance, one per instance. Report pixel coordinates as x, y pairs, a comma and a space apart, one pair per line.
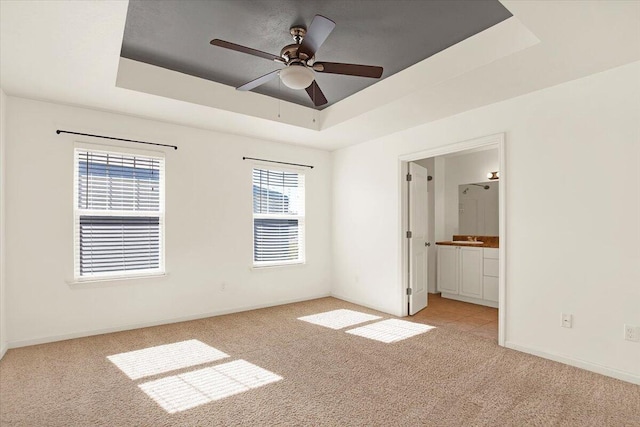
478, 208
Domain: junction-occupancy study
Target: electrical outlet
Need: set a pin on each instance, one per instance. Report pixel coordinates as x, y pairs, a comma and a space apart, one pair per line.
567, 320
632, 333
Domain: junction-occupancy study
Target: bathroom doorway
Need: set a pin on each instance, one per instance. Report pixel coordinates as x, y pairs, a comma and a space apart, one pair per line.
466, 270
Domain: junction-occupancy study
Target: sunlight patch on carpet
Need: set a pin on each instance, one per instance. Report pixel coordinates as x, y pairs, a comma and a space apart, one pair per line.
164, 358
185, 391
338, 319
391, 330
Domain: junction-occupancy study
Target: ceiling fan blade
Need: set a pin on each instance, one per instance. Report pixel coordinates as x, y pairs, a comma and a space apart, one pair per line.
317, 33
316, 94
244, 49
348, 69
259, 81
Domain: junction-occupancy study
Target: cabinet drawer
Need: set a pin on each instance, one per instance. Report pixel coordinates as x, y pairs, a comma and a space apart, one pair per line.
491, 267
491, 253
490, 288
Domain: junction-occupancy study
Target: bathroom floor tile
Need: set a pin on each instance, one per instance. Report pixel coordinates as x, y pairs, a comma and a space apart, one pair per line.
475, 319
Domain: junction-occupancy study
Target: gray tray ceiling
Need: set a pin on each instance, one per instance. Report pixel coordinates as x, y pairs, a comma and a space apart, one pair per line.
392, 34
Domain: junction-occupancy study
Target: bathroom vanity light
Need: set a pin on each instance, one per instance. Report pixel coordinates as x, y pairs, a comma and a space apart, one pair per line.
493, 175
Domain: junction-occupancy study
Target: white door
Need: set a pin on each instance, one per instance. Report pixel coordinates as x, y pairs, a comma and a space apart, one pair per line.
418, 225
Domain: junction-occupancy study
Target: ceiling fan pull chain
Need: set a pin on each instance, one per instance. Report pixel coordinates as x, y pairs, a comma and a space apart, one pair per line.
280, 97
313, 116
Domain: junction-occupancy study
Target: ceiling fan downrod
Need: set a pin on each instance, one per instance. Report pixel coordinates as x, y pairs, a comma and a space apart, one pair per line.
298, 34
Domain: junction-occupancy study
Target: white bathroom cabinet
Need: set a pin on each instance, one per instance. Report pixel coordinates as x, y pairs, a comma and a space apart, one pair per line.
468, 274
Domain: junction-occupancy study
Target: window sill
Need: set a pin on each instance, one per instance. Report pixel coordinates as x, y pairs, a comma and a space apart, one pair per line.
276, 266
105, 281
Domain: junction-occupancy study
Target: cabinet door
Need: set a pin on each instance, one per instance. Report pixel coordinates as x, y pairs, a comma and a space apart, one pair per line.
471, 272
447, 264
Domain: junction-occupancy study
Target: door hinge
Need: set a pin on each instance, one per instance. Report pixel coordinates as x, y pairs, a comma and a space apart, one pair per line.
408, 291
409, 177
409, 234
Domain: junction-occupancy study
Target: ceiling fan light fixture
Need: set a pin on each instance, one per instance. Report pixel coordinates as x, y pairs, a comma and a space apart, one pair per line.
297, 77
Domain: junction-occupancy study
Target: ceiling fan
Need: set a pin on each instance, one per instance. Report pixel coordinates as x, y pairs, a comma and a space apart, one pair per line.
300, 63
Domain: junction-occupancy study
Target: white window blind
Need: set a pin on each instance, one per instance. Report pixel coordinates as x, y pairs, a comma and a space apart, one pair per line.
278, 217
119, 214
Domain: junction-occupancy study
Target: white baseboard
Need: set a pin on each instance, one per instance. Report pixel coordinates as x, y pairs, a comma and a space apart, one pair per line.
3, 349
81, 334
353, 301
567, 360
471, 300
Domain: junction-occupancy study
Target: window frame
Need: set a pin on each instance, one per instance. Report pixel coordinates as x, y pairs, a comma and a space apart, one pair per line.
77, 212
302, 259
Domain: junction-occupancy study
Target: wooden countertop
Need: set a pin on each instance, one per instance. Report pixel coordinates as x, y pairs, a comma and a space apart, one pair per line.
487, 241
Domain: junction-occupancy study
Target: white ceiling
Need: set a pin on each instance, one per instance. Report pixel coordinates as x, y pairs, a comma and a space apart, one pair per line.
68, 52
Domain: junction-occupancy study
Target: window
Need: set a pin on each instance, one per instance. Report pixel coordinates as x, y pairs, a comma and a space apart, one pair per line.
278, 217
119, 214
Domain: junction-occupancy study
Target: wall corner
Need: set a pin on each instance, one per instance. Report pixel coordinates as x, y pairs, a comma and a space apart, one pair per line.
3, 304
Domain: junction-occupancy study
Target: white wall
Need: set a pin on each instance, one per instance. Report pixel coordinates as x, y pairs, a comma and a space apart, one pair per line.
208, 227
567, 252
439, 194
3, 303
464, 169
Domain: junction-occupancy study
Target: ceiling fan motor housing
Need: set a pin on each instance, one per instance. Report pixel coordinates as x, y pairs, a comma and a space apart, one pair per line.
290, 52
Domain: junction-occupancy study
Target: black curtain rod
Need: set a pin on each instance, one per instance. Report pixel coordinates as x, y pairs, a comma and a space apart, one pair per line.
273, 161
116, 139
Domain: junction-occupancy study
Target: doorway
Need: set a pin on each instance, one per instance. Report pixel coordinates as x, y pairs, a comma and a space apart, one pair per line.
412, 257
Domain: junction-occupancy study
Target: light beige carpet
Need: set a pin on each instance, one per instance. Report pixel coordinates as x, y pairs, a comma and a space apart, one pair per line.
329, 377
